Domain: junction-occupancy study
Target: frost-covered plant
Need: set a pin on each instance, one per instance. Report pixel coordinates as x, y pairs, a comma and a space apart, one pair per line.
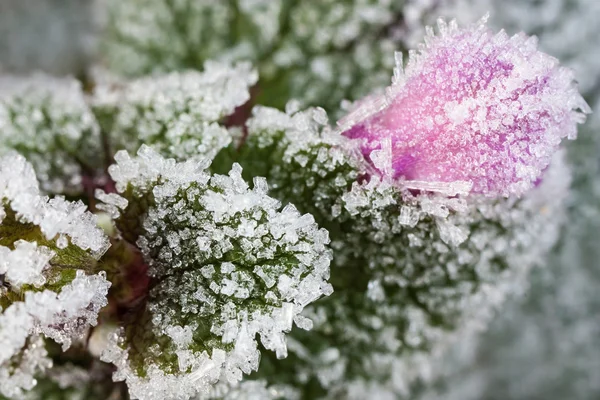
430, 201
511, 360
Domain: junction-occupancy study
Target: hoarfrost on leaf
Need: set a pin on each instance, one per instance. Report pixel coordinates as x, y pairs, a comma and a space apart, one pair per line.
228, 266
24, 264
54, 217
63, 317
423, 263
45, 247
177, 114
471, 106
319, 52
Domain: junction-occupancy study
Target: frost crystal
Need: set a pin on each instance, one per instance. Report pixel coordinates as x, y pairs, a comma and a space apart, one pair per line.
47, 120
566, 29
20, 375
275, 256
227, 265
176, 114
293, 147
471, 106
25, 263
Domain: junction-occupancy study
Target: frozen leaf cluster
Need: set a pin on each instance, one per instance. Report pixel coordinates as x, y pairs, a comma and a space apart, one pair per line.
557, 312
48, 121
274, 255
423, 261
62, 316
54, 220
228, 266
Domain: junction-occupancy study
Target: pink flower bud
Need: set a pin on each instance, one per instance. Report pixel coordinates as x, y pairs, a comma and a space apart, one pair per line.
470, 106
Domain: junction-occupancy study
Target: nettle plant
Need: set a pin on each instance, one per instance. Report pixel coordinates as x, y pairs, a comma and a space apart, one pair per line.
177, 248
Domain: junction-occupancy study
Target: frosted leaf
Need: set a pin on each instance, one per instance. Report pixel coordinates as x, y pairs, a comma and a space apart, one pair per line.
319, 52
177, 114
62, 316
48, 121
215, 248
54, 217
421, 263
149, 168
471, 106
561, 298
45, 244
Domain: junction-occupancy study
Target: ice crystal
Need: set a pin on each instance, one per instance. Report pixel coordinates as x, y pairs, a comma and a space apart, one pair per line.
292, 147
471, 106
20, 376
228, 265
48, 121
177, 114
431, 201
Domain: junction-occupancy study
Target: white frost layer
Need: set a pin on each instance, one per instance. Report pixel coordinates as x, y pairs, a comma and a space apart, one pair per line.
20, 377
55, 217
209, 95
144, 171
